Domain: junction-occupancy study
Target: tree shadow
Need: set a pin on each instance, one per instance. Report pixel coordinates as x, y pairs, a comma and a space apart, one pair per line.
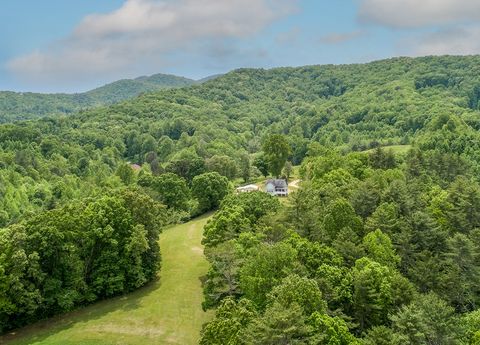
43, 329
130, 302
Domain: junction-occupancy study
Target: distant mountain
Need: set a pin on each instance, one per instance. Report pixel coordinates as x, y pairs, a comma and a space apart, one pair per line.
210, 77
27, 105
128, 88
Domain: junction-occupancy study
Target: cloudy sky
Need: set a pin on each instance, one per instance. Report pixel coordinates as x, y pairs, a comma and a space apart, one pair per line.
75, 45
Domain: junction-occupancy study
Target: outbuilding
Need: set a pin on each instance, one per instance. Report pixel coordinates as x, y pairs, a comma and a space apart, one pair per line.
248, 188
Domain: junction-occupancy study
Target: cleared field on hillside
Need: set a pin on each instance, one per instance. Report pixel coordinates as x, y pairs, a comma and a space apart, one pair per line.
165, 312
395, 148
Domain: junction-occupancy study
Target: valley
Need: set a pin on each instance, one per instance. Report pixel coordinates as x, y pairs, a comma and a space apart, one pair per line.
383, 229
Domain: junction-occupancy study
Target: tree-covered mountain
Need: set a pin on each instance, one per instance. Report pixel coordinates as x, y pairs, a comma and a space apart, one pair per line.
429, 102
370, 242
129, 88
354, 107
28, 105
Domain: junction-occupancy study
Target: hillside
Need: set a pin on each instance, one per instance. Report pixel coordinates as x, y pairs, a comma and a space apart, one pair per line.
373, 238
354, 107
129, 88
27, 105
430, 101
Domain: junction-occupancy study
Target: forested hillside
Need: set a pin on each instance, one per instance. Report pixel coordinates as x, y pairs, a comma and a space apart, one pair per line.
373, 249
26, 105
372, 241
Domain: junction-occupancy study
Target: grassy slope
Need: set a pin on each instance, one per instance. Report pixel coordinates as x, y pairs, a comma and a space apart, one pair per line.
395, 148
166, 312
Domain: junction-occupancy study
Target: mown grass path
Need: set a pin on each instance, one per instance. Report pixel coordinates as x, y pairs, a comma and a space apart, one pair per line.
165, 312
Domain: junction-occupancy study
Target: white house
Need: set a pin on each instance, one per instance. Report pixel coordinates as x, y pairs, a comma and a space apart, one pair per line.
247, 189
277, 187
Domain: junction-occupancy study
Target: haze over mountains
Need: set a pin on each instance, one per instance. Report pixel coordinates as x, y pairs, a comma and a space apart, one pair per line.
28, 105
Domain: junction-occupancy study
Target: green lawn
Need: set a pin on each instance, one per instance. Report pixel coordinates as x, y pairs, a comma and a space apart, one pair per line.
165, 312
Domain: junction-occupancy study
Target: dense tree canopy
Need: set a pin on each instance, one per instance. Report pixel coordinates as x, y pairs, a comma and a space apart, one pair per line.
77, 254
379, 245
276, 150
379, 254
26, 105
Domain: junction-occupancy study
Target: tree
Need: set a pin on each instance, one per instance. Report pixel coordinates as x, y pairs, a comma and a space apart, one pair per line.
302, 291
222, 279
155, 167
349, 245
365, 198
255, 204
380, 335
336, 284
224, 165
329, 330
386, 218
340, 214
231, 318
20, 278
152, 216
84, 251
225, 225
313, 255
264, 268
239, 213
464, 196
287, 170
245, 167
379, 248
378, 290
261, 163
165, 147
428, 320
461, 275
276, 150
173, 191
278, 326
471, 322
380, 159
149, 144
126, 174
209, 189
186, 164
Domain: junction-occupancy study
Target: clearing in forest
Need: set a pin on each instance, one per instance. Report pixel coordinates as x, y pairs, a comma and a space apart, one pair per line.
165, 312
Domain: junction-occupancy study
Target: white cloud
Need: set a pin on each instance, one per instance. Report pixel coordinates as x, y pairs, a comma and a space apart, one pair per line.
145, 33
418, 13
455, 41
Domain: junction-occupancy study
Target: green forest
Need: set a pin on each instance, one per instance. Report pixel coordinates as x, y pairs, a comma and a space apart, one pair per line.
16, 106
379, 245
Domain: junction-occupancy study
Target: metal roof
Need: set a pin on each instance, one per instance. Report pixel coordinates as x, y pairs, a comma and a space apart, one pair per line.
281, 183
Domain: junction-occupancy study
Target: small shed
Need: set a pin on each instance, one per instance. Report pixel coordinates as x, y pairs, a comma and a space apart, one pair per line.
247, 189
277, 187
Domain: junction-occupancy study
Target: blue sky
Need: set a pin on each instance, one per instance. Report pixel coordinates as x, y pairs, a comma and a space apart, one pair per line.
76, 45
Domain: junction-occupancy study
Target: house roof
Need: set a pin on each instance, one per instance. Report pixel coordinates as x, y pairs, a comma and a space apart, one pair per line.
280, 183
248, 187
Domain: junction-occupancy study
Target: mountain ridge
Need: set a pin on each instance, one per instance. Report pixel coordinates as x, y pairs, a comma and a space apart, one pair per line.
29, 105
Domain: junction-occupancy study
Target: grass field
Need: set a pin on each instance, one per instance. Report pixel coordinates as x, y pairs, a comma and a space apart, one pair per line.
165, 312
395, 148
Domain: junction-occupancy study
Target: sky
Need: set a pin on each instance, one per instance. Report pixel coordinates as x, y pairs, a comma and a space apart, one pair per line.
77, 45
